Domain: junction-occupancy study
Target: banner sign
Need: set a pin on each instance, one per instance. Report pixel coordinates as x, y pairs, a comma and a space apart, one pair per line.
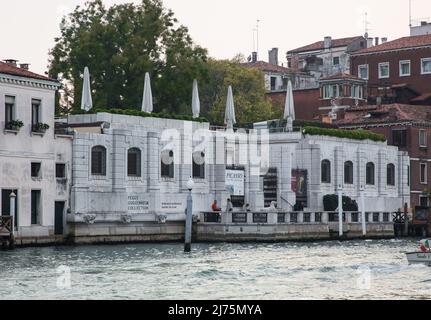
235, 180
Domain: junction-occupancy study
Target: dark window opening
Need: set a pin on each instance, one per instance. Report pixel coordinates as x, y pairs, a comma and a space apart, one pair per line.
36, 169
399, 138
9, 109
336, 61
391, 175
60, 170
35, 206
134, 162
167, 164
199, 165
98, 161
326, 171
35, 112
348, 172
370, 179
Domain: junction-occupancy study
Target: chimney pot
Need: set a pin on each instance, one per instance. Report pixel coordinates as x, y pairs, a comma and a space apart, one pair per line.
328, 42
254, 57
384, 40
377, 40
11, 62
24, 66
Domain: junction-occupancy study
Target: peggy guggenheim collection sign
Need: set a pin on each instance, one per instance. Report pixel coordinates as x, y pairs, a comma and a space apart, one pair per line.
235, 182
137, 204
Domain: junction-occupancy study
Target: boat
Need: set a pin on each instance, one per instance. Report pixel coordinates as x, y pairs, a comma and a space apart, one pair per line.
422, 257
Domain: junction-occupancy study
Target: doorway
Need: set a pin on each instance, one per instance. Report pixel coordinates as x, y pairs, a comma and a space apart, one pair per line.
59, 218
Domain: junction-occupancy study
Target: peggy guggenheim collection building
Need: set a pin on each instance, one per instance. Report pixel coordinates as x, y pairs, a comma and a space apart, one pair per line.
108, 177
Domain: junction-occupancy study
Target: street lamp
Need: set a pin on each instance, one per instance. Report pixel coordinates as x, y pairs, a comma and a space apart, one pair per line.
189, 217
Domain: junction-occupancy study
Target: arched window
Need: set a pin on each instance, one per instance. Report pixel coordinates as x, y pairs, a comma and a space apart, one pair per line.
167, 164
98, 161
370, 174
326, 171
348, 172
134, 162
199, 165
390, 177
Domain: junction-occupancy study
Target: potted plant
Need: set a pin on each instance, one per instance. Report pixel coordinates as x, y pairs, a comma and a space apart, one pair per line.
14, 125
40, 127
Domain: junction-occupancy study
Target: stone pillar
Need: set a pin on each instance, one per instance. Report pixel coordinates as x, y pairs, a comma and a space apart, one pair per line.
361, 170
153, 169
315, 195
219, 169
338, 174
119, 160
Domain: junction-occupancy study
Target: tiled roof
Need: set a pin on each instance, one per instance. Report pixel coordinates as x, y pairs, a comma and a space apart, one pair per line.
384, 114
401, 43
15, 71
265, 66
342, 76
320, 45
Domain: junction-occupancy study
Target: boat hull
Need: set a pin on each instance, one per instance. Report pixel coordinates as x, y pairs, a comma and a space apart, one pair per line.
419, 258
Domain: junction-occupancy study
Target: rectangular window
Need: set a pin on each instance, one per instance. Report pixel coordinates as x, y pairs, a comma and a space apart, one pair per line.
307, 217
405, 68
423, 173
408, 176
327, 92
355, 217
363, 71
293, 218
9, 109
423, 138
35, 112
424, 201
426, 66
386, 217
336, 61
399, 137
35, 206
273, 83
60, 170
376, 217
384, 70
318, 217
36, 169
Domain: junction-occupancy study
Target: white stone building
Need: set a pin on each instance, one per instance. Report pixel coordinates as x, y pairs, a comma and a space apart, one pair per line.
130, 173
34, 162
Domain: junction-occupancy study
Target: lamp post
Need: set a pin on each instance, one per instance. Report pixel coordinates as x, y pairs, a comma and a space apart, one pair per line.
340, 210
12, 214
364, 224
189, 217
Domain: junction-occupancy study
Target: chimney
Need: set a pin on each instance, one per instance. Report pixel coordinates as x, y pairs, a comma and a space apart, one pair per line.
327, 42
11, 62
377, 40
254, 57
370, 42
273, 56
24, 66
384, 40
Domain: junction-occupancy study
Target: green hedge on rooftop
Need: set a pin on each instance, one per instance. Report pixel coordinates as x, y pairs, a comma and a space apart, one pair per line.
138, 113
348, 134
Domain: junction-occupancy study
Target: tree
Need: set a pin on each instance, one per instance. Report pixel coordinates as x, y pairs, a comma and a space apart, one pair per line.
251, 104
119, 44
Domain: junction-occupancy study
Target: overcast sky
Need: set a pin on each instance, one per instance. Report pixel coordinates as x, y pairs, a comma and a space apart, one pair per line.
225, 27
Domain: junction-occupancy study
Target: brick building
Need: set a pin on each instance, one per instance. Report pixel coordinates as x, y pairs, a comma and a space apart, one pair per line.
405, 126
398, 71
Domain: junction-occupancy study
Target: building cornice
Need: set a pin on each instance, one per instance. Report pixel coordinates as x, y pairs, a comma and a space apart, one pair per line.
29, 82
388, 51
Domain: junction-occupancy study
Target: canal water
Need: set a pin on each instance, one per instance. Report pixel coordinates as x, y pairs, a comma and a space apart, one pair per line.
321, 270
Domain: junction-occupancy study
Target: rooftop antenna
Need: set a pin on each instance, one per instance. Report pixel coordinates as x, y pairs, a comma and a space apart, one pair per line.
410, 13
257, 36
366, 24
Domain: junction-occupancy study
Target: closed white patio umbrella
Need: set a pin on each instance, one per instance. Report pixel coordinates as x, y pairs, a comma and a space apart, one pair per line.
86, 101
229, 118
289, 107
196, 104
147, 100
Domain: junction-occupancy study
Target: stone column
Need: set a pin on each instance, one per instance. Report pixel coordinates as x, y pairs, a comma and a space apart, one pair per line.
382, 172
153, 169
119, 169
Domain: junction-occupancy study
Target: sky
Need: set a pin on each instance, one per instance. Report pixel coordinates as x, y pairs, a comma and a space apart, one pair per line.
224, 27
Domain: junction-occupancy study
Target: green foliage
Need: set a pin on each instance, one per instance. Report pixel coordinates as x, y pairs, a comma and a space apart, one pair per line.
251, 104
119, 44
137, 113
41, 127
349, 134
330, 203
15, 124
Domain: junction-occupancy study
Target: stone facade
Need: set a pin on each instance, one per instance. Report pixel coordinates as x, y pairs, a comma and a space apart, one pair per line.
39, 189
